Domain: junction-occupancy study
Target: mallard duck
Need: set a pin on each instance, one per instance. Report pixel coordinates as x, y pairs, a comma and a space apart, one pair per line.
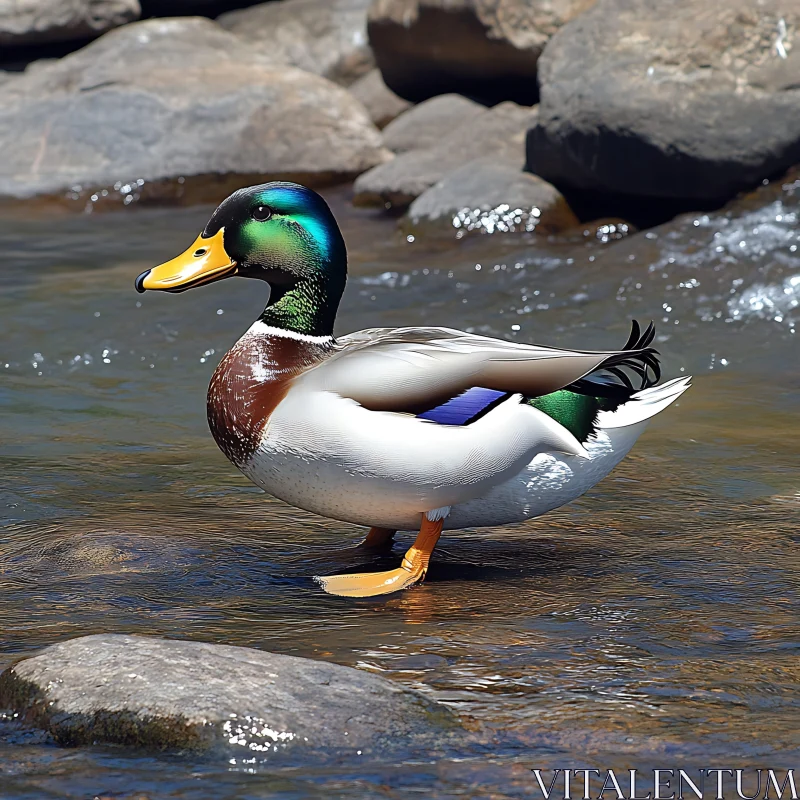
418, 429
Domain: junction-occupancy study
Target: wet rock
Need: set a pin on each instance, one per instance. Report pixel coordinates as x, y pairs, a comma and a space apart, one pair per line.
45, 21
429, 123
183, 106
157, 693
76, 550
327, 37
699, 105
499, 131
485, 48
492, 197
382, 104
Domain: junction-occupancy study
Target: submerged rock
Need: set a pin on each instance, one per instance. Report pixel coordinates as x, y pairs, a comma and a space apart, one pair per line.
327, 37
499, 131
486, 48
492, 196
182, 106
382, 104
699, 104
157, 693
46, 21
430, 123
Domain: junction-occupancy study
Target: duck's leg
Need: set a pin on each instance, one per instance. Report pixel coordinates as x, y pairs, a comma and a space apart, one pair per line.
411, 571
378, 540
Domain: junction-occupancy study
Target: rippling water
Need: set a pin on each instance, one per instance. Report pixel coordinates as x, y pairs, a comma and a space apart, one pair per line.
652, 623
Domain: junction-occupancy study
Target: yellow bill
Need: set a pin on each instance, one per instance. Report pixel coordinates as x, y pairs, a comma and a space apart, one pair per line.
204, 262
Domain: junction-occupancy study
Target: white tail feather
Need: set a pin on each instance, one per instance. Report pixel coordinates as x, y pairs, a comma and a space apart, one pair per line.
644, 404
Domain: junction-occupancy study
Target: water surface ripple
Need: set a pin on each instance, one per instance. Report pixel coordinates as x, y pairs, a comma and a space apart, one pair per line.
652, 623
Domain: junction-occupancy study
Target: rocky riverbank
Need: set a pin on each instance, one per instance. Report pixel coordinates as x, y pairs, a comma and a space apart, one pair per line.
511, 108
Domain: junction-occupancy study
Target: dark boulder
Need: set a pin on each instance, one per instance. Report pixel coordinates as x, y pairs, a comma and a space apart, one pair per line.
692, 100
206, 8
484, 48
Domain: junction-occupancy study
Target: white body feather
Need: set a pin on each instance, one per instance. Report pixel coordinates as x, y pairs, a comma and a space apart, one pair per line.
329, 455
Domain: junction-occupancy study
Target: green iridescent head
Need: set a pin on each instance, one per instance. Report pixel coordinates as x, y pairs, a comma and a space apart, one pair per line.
281, 233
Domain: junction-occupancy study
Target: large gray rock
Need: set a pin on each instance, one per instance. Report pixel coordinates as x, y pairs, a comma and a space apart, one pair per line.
150, 692
491, 196
382, 104
44, 21
327, 37
431, 122
170, 99
499, 131
485, 48
692, 100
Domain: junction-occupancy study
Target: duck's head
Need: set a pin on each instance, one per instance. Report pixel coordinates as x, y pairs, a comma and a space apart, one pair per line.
279, 232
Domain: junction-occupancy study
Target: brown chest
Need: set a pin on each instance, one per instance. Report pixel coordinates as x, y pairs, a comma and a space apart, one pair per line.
249, 383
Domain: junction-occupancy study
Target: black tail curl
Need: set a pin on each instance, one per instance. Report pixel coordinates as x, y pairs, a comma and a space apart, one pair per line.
611, 380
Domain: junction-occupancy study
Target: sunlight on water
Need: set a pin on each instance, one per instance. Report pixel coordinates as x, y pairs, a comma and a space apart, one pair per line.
655, 616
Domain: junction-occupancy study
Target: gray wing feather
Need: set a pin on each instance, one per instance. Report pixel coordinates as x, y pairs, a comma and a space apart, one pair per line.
410, 369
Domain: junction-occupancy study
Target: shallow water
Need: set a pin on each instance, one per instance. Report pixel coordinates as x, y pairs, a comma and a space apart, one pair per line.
652, 623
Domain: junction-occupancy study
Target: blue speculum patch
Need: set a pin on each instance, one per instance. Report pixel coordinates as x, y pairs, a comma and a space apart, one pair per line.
460, 410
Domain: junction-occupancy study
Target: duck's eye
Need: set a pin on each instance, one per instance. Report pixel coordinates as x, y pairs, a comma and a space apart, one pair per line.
261, 213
